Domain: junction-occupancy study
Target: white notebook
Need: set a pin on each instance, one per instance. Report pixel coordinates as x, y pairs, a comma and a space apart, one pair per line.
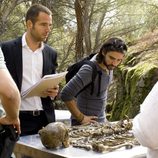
48, 81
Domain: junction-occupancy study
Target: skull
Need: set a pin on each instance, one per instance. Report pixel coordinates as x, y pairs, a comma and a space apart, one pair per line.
54, 135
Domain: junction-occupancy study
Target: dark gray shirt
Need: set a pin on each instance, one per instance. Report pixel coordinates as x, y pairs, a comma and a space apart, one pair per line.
88, 104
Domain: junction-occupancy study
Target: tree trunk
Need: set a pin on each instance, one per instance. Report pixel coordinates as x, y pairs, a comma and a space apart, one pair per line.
79, 36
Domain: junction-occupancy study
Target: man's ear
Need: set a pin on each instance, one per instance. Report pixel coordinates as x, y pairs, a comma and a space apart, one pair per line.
104, 54
29, 24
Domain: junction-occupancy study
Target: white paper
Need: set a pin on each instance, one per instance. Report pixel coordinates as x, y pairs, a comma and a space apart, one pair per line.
48, 81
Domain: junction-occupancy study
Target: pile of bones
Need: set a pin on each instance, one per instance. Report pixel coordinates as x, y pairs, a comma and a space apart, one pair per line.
103, 137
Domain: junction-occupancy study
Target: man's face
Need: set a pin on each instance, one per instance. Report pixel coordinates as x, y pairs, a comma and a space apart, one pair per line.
41, 28
112, 59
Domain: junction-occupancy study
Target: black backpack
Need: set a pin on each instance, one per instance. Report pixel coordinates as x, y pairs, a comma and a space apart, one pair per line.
74, 68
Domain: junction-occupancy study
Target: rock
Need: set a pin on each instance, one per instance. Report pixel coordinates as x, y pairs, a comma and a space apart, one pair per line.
54, 135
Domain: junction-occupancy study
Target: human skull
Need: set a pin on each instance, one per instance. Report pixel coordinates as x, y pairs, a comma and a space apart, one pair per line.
54, 135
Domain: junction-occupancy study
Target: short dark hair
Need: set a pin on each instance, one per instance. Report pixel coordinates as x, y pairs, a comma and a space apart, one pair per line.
112, 44
34, 11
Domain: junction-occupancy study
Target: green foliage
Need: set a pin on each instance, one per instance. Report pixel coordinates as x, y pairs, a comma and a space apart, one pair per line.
138, 81
107, 18
15, 23
151, 15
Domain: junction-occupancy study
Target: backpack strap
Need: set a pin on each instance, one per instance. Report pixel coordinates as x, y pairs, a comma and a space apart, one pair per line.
99, 82
94, 74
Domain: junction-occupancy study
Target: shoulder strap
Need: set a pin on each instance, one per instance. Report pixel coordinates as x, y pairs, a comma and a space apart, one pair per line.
94, 74
94, 67
99, 82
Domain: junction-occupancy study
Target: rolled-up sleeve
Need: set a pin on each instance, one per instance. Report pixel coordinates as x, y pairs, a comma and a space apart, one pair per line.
77, 83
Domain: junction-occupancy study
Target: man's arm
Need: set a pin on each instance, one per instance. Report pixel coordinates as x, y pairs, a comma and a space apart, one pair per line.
80, 117
10, 99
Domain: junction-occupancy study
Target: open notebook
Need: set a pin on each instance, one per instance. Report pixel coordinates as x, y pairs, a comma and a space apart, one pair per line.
48, 81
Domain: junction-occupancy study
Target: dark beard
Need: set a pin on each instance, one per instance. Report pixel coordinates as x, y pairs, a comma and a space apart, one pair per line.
109, 67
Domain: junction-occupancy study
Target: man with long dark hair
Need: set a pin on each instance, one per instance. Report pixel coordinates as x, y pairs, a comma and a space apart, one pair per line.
87, 107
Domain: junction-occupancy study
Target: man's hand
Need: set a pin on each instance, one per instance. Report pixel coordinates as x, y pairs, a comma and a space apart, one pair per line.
89, 119
8, 121
51, 92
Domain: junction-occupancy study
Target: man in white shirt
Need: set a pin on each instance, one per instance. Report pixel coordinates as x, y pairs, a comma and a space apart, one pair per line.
145, 127
28, 59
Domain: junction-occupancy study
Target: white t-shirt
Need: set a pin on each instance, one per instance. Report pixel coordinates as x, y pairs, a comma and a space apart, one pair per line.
145, 126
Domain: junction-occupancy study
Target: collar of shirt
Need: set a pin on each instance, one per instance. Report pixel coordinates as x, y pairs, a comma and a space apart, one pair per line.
24, 43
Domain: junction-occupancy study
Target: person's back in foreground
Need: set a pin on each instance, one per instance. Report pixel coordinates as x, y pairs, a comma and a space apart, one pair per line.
145, 127
87, 107
10, 100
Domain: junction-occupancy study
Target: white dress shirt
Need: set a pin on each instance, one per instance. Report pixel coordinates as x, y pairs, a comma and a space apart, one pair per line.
32, 73
145, 126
